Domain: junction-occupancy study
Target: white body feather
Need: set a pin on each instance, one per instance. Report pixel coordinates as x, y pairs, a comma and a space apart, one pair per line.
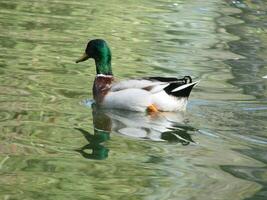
128, 99
138, 95
165, 102
135, 83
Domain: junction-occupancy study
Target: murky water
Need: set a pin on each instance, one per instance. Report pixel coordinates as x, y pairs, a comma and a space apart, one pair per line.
55, 146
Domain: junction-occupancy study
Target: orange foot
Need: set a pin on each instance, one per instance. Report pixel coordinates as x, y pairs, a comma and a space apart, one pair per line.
152, 109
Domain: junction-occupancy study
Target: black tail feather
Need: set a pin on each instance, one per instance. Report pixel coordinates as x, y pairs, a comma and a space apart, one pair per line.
175, 83
183, 93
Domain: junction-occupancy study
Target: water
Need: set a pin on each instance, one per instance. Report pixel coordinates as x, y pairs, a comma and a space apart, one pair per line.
49, 147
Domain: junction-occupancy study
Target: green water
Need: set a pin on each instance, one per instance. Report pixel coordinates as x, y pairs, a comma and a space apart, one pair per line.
49, 148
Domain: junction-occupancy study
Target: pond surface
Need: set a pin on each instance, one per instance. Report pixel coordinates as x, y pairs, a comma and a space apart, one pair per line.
53, 145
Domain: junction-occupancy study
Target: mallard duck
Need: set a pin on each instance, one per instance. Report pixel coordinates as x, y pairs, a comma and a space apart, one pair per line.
151, 94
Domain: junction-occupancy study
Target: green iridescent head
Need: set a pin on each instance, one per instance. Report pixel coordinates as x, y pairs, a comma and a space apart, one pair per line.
99, 50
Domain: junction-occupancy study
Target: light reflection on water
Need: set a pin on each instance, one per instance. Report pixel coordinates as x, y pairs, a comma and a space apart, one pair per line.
47, 134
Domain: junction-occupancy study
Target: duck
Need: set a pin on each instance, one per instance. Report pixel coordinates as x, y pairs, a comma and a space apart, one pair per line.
144, 94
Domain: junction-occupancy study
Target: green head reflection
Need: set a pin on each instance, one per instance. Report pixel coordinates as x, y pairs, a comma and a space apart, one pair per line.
102, 128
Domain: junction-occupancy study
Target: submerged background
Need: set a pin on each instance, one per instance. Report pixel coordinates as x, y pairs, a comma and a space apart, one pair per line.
219, 146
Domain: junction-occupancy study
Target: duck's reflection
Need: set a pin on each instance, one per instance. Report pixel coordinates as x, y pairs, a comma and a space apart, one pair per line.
157, 127
102, 128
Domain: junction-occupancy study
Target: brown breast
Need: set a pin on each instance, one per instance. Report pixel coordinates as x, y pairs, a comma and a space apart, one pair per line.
101, 87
